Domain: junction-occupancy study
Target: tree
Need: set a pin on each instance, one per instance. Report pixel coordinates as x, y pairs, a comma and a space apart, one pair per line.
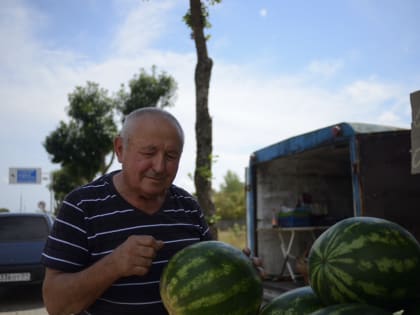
63, 181
230, 199
82, 145
197, 20
147, 90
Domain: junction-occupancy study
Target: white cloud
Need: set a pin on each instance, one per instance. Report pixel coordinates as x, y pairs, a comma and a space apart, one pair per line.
389, 118
325, 68
369, 91
143, 24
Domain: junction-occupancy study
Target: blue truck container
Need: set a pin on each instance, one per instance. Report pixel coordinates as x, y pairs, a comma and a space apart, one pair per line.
339, 171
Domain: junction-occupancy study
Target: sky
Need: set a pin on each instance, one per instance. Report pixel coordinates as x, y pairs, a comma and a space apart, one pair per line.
281, 68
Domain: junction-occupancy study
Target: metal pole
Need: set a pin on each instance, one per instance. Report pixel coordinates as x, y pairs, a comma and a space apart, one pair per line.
20, 202
51, 193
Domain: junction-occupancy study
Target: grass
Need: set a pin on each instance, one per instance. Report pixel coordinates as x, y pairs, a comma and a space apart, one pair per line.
235, 236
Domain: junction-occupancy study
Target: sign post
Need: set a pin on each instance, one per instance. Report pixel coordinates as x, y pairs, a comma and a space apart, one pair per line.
25, 175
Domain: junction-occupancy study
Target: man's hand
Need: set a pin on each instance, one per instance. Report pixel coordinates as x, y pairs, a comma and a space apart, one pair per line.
70, 293
135, 255
256, 261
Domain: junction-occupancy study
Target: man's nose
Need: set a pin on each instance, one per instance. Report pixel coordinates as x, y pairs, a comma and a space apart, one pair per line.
159, 163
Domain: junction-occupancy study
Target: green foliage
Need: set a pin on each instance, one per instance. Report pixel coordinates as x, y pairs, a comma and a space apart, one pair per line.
64, 181
235, 236
230, 199
212, 219
205, 171
146, 90
204, 15
4, 210
82, 145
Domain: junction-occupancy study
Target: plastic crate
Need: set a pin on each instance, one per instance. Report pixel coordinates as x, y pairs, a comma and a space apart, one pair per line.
294, 219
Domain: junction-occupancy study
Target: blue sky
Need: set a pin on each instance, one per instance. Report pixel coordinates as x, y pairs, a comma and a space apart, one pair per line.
280, 68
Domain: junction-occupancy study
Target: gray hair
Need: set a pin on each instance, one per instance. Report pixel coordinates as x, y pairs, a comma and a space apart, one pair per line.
152, 111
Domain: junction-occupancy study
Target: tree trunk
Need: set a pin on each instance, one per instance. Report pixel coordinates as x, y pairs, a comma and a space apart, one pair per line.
203, 124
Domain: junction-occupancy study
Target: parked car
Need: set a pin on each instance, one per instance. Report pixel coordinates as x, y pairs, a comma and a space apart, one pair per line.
22, 239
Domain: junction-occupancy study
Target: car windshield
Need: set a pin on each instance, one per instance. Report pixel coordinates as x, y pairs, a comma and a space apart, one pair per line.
22, 228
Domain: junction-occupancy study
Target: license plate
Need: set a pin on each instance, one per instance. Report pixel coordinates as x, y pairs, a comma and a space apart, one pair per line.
15, 277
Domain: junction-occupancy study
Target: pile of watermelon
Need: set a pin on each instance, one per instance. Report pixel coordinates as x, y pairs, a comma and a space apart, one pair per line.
360, 265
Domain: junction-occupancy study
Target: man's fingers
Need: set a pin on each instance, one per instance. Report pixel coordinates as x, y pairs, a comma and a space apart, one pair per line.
261, 272
148, 241
146, 252
140, 270
144, 262
159, 245
246, 251
257, 261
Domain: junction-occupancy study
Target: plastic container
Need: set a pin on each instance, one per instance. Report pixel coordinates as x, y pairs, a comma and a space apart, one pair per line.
295, 218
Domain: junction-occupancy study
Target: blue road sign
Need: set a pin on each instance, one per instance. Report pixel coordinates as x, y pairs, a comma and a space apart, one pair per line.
24, 175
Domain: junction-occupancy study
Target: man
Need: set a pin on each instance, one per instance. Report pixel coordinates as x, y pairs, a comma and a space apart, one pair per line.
113, 237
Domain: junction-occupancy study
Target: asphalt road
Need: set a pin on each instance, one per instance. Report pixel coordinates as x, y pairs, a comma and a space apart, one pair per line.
21, 301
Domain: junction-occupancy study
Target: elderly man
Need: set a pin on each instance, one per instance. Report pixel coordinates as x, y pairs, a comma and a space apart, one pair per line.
113, 237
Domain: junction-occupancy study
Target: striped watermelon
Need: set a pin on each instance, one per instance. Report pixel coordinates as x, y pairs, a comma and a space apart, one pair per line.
366, 260
351, 309
211, 278
300, 301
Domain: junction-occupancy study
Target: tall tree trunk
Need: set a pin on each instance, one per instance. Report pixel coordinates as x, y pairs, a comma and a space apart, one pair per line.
203, 124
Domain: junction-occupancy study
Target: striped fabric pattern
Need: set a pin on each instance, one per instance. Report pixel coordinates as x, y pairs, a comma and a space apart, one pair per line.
95, 219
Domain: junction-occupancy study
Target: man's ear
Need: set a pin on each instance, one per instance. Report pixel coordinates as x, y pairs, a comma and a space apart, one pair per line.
119, 148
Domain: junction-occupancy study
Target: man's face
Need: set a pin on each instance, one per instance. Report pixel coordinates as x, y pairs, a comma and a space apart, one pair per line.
150, 157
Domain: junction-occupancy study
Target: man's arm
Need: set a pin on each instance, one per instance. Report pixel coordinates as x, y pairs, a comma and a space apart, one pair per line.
70, 293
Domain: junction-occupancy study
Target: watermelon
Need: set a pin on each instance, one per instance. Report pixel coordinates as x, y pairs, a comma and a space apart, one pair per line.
365, 260
300, 301
209, 278
351, 309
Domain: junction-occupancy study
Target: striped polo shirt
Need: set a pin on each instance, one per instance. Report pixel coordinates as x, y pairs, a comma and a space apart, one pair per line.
94, 219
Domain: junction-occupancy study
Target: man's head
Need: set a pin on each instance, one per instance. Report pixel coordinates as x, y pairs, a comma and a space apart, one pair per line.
149, 148
131, 119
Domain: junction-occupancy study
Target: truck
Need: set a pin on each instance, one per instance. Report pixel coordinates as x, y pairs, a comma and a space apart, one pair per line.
298, 187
